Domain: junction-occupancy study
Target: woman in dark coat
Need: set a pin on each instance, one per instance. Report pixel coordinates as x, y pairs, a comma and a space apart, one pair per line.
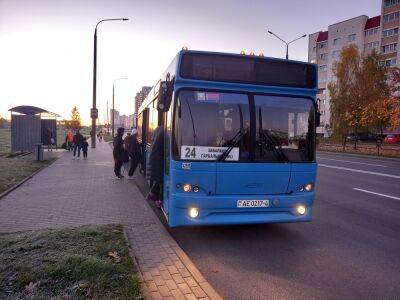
118, 152
156, 167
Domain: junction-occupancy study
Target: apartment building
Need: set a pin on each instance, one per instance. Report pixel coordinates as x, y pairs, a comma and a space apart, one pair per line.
380, 33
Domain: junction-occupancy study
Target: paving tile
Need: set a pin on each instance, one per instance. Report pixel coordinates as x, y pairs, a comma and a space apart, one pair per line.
164, 290
185, 289
171, 284
178, 278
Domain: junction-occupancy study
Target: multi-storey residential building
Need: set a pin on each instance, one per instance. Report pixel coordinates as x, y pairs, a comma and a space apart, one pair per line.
140, 96
380, 33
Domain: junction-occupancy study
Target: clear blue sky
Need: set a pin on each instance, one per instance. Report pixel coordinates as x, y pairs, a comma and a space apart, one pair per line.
46, 47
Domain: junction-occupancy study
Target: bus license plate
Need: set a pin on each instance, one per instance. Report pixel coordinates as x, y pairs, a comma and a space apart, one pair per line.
252, 203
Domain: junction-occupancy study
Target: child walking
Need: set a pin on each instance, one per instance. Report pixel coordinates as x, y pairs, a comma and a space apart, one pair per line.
85, 146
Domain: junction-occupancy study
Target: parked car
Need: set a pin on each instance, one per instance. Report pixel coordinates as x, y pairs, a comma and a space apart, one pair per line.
364, 137
392, 138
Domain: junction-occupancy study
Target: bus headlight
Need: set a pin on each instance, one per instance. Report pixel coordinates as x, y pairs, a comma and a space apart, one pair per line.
193, 212
307, 187
187, 187
301, 209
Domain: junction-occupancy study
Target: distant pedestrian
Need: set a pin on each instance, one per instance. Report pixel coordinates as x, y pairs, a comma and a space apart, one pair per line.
156, 167
85, 146
77, 140
69, 140
133, 147
118, 152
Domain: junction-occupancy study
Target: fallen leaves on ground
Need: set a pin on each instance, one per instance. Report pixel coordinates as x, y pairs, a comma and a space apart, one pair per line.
114, 256
32, 286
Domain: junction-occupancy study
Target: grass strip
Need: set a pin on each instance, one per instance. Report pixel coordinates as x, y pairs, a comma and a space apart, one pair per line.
79, 263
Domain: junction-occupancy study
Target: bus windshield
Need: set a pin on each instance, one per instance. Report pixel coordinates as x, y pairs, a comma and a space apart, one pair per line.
210, 124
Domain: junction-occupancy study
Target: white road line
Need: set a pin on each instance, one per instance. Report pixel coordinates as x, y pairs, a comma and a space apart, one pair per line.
353, 162
374, 193
360, 171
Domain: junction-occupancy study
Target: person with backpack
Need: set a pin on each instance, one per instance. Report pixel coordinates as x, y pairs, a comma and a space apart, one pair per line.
85, 146
155, 169
77, 140
133, 147
119, 152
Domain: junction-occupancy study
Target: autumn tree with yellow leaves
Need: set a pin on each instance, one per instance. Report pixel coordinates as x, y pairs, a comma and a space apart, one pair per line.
360, 94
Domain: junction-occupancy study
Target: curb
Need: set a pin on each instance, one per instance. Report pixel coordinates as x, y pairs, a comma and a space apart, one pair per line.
18, 184
209, 291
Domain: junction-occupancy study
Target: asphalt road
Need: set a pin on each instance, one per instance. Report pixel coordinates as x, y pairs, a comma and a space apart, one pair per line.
350, 250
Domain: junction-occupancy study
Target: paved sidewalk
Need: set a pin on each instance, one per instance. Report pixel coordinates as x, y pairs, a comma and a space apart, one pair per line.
85, 192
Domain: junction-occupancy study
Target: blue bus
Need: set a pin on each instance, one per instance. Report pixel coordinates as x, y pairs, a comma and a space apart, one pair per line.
239, 138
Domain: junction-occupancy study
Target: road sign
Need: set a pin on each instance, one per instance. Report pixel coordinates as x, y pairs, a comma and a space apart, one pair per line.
94, 113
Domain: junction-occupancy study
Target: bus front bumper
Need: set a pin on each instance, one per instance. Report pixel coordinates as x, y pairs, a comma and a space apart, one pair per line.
223, 210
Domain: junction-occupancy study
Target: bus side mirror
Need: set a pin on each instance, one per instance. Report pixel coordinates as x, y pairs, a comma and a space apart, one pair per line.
164, 96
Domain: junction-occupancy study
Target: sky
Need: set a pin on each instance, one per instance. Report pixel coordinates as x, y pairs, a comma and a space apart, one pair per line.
46, 47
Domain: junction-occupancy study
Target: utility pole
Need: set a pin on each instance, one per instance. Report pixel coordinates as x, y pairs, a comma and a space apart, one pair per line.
94, 111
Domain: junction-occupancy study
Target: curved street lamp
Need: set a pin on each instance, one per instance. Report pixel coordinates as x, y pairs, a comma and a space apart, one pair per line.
113, 109
287, 43
94, 113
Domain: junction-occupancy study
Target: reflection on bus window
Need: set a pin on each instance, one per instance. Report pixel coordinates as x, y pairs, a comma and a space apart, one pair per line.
286, 123
212, 119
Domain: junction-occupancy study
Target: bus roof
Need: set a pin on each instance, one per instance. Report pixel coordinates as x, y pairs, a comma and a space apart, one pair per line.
237, 69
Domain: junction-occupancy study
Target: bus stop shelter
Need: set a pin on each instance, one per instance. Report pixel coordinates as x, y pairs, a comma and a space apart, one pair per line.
31, 125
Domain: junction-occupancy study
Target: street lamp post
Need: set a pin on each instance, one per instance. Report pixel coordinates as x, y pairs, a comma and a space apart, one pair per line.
113, 108
287, 43
93, 113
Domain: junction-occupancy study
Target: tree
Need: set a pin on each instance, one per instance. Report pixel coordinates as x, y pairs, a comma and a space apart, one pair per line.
375, 90
75, 122
360, 95
343, 93
3, 122
394, 98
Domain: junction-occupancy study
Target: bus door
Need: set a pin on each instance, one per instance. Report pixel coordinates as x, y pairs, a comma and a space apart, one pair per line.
167, 159
145, 120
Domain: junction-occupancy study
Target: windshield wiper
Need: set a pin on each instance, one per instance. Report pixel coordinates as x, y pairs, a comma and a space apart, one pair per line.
277, 149
233, 142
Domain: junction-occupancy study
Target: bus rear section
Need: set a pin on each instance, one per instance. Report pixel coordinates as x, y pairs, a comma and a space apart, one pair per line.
241, 158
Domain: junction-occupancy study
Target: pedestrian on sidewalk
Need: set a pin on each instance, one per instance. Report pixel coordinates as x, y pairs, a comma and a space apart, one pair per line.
77, 140
133, 147
119, 152
69, 141
156, 167
85, 146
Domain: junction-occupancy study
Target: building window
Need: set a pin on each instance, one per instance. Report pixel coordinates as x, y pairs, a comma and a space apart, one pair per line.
322, 68
390, 32
336, 41
370, 46
391, 17
321, 45
391, 2
371, 31
335, 54
313, 49
388, 63
323, 56
351, 38
389, 48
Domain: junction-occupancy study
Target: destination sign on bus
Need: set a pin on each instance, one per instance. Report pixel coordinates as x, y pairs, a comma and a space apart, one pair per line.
207, 153
249, 70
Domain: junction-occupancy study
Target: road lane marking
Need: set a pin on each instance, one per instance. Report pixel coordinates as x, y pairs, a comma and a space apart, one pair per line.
353, 162
379, 194
360, 171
